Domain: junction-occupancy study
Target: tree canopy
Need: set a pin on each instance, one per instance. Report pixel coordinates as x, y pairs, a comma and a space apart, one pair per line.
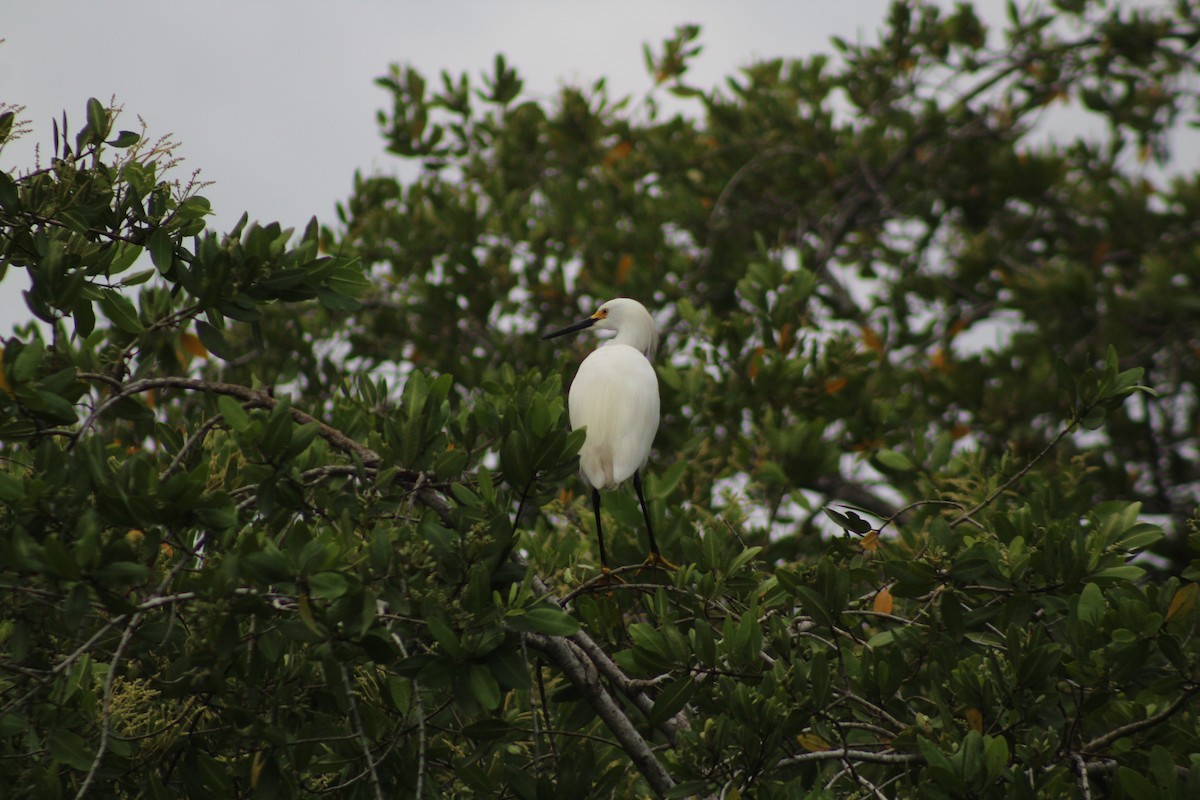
295, 514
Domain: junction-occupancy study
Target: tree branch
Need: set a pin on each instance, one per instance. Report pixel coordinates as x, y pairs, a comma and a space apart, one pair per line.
1140, 725
253, 398
579, 669
845, 753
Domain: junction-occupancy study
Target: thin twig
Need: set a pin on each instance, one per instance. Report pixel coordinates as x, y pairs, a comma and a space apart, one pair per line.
1139, 725
416, 701
1004, 487
360, 732
251, 397
106, 703
191, 442
846, 754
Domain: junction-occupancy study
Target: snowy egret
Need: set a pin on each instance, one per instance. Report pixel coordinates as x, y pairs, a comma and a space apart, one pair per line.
615, 395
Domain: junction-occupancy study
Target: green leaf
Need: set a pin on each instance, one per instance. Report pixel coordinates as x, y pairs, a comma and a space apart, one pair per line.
1091, 608
934, 757
11, 489
1094, 419
489, 729
894, 460
1125, 572
1135, 785
672, 699
125, 139
1141, 536
543, 619
10, 198
1066, 381
328, 585
233, 413
98, 118
137, 278
70, 749
850, 521
120, 311
444, 635
213, 340
162, 249
484, 687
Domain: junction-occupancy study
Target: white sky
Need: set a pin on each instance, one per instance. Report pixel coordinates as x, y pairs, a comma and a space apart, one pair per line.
275, 102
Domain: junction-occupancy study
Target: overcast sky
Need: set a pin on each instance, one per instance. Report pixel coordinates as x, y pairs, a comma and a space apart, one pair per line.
275, 103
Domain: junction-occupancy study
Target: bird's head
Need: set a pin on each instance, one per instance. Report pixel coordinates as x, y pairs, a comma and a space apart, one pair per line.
629, 318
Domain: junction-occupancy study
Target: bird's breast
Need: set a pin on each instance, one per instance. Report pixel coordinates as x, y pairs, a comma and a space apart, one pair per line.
615, 395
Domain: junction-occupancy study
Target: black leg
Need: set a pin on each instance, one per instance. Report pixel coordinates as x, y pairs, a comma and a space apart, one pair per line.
637, 485
599, 531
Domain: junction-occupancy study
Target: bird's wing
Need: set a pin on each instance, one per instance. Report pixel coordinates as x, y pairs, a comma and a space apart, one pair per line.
615, 394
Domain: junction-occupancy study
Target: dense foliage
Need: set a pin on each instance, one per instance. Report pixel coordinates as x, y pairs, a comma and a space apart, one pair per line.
296, 515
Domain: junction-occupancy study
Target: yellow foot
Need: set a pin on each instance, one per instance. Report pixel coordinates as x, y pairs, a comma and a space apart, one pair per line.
657, 561
606, 578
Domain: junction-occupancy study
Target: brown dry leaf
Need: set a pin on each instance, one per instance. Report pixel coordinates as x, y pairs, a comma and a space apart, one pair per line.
624, 266
835, 385
191, 344
870, 543
1183, 603
883, 601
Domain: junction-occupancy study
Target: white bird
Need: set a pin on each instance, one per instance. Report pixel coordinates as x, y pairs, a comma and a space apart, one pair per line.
615, 395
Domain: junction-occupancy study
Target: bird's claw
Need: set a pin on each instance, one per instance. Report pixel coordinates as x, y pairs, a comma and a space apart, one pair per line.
657, 561
605, 578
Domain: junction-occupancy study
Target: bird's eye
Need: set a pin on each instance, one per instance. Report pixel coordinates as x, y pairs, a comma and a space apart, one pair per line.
602, 313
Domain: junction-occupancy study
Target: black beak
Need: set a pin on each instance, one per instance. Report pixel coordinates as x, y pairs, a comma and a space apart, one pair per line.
578, 326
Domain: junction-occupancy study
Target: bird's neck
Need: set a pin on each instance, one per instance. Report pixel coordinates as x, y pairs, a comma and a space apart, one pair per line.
645, 342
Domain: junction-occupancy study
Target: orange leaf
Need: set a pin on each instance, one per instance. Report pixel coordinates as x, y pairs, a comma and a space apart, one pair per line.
940, 360
959, 431
1184, 602
755, 360
870, 542
623, 267
618, 152
787, 337
883, 601
3, 380
975, 719
871, 338
191, 344
835, 385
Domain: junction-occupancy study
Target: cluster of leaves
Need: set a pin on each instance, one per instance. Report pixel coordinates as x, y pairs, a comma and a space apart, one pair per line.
294, 516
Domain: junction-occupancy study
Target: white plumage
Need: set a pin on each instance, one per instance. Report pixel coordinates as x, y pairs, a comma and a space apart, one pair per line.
615, 396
